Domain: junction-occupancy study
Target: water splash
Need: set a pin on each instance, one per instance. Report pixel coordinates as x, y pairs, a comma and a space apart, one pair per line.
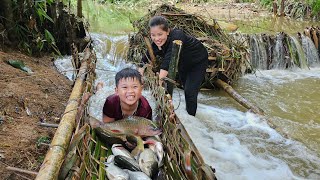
278, 59
310, 50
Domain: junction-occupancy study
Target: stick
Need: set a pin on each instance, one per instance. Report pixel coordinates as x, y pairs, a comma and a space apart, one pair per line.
21, 170
49, 125
150, 50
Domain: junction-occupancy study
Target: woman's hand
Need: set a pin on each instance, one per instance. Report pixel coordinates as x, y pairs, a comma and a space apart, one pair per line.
162, 74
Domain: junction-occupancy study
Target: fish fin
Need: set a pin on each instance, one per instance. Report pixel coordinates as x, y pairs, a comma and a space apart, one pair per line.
149, 141
94, 123
115, 131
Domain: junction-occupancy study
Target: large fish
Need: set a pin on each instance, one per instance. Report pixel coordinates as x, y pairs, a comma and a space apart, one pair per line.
132, 125
109, 136
148, 162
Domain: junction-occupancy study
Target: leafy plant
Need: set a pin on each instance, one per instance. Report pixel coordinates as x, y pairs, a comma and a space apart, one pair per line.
43, 139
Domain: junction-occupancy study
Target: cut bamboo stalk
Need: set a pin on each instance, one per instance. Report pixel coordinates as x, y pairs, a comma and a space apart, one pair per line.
173, 66
315, 38
150, 50
21, 170
238, 97
55, 156
245, 103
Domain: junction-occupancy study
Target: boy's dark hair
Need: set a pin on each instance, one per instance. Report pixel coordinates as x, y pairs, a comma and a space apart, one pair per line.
128, 73
159, 21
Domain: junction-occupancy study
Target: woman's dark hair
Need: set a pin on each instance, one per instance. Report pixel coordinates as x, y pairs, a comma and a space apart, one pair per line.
128, 73
159, 21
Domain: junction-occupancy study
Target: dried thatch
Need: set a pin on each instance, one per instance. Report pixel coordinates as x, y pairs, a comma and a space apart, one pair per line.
226, 56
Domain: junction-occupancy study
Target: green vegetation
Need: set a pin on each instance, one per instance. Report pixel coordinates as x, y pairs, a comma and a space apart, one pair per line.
266, 3
43, 139
112, 16
315, 5
33, 38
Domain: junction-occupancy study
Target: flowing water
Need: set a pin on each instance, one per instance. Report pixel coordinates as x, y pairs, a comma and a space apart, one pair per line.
239, 144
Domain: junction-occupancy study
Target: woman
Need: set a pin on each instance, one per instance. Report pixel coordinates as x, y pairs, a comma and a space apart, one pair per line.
193, 58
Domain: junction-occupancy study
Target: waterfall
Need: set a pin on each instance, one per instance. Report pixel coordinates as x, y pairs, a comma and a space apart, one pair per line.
278, 59
282, 51
297, 53
310, 51
258, 52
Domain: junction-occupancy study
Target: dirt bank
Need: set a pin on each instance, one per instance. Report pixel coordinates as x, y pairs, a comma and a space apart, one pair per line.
44, 93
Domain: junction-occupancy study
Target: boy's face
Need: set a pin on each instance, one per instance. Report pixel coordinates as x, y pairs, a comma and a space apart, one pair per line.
129, 90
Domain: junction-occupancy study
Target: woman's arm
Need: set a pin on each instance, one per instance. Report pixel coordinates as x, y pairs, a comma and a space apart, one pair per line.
107, 119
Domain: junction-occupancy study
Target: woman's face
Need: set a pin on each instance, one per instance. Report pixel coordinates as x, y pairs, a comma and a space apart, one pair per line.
158, 36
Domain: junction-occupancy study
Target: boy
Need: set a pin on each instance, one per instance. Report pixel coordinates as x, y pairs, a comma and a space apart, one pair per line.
128, 99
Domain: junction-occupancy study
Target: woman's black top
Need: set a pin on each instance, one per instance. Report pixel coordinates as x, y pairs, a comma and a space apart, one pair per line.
192, 52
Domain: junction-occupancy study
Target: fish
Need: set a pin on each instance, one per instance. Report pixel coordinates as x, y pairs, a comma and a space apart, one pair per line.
156, 146
147, 161
115, 173
126, 163
118, 149
132, 125
110, 160
137, 175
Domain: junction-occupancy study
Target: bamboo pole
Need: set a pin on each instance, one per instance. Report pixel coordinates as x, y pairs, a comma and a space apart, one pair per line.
55, 156
173, 66
150, 50
238, 97
245, 103
315, 37
275, 9
282, 8
79, 8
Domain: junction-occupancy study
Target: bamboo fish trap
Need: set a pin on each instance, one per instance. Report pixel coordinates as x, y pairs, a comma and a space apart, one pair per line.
76, 152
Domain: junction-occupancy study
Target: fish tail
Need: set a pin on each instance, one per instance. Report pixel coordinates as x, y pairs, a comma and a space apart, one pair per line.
139, 148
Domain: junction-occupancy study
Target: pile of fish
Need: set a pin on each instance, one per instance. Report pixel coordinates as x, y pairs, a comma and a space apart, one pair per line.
142, 163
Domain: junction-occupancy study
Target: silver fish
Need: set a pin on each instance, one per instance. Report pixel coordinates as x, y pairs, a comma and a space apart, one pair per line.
110, 160
137, 175
118, 149
157, 147
115, 173
148, 162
